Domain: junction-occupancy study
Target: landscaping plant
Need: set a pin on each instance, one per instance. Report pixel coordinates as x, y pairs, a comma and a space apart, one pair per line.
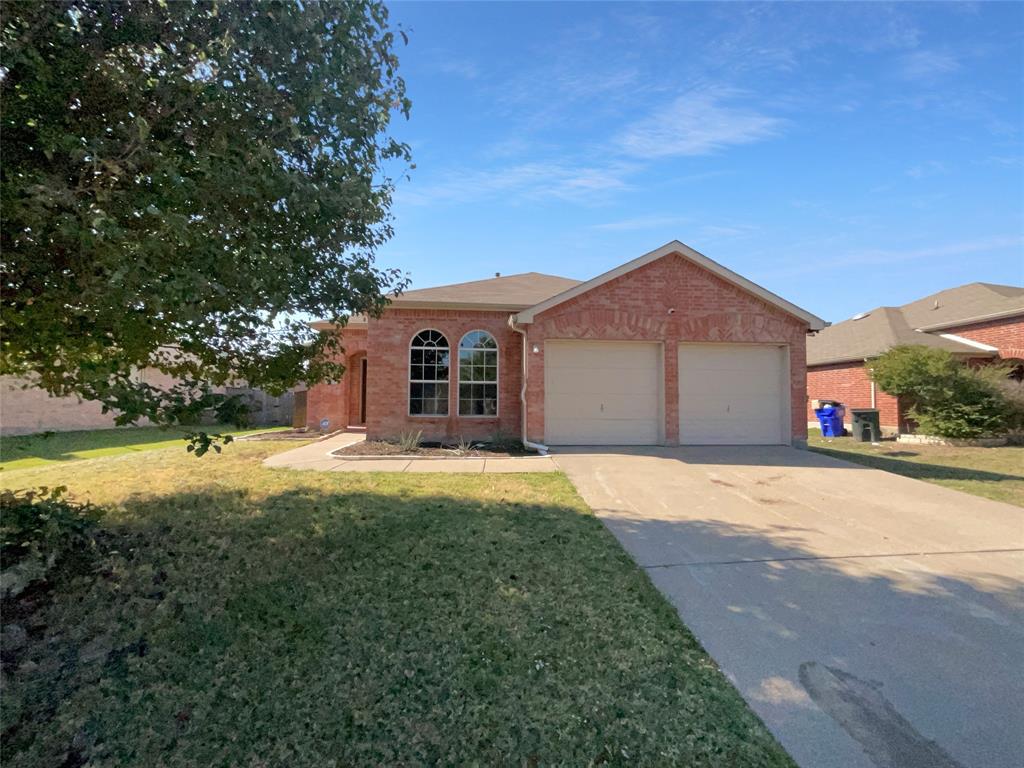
946, 397
39, 529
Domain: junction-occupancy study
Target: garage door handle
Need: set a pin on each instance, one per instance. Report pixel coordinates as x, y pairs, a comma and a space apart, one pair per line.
602, 407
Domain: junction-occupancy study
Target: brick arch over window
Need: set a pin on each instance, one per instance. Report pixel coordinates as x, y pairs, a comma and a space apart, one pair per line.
429, 370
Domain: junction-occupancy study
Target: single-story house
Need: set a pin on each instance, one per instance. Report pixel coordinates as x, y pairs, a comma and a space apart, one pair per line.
978, 322
670, 348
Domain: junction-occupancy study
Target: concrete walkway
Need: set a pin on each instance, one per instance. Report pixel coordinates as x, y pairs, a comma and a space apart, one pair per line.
871, 620
319, 456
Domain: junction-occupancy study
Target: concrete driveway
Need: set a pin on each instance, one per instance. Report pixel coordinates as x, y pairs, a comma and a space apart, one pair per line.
869, 619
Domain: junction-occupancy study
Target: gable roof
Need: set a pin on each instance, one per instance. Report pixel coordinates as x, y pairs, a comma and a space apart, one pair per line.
685, 251
513, 292
973, 302
919, 322
872, 334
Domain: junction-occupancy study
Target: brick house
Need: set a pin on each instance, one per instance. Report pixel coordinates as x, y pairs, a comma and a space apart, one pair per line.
978, 323
670, 348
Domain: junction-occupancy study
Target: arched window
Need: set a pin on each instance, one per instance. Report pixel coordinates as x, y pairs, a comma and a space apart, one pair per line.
428, 374
478, 375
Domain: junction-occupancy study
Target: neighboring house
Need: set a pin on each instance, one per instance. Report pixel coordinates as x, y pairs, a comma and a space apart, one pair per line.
670, 348
27, 409
979, 322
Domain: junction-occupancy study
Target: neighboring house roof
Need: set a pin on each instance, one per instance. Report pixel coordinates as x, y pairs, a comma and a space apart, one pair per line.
871, 335
512, 292
975, 302
688, 253
920, 322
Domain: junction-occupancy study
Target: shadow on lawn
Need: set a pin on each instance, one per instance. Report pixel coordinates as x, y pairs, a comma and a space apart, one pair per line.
918, 470
60, 446
385, 627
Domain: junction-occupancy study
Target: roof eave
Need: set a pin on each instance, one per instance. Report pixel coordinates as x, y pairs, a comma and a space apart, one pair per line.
865, 358
814, 322
328, 325
464, 305
976, 319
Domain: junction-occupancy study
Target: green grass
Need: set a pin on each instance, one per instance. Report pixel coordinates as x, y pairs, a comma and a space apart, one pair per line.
24, 451
994, 473
269, 617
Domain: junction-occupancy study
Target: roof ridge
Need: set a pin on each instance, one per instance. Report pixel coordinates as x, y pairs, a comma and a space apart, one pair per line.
487, 279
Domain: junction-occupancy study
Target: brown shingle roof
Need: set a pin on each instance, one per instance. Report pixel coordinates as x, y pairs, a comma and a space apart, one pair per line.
874, 333
886, 327
956, 306
511, 292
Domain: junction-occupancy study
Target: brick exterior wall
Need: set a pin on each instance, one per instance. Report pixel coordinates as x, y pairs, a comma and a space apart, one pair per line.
632, 307
385, 344
1007, 335
332, 401
850, 384
635, 307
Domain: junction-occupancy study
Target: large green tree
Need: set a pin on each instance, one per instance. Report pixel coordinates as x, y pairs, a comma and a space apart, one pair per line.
185, 181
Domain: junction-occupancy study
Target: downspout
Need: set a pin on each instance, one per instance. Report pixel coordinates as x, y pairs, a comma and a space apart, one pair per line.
539, 447
870, 371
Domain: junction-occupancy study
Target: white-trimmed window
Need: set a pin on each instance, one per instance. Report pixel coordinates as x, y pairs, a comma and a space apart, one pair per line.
478, 375
429, 358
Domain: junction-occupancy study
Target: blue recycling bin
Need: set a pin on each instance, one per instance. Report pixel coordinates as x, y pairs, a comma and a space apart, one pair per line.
831, 420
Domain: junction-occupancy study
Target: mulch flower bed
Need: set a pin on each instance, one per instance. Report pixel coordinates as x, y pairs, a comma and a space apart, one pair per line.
384, 448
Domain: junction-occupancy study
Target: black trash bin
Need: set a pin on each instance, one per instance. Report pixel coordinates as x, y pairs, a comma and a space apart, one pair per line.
867, 425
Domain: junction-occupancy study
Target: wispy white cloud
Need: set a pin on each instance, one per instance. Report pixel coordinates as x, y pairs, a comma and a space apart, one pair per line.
923, 65
727, 231
697, 123
869, 257
637, 223
535, 180
945, 250
459, 67
926, 169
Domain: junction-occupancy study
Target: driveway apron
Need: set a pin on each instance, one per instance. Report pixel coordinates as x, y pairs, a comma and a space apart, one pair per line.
870, 620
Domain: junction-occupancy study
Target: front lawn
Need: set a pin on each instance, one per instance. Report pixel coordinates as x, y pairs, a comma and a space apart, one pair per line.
238, 615
995, 473
23, 451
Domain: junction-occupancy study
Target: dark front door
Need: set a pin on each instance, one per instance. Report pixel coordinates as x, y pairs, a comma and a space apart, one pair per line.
362, 392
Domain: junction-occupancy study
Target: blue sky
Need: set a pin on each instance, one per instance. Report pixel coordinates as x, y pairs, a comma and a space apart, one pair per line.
844, 156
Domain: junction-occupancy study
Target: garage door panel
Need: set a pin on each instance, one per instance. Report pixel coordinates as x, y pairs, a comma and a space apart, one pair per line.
615, 407
576, 381
602, 432
602, 393
731, 394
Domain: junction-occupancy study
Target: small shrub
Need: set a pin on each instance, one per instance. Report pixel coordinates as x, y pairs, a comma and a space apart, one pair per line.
945, 397
462, 445
505, 441
410, 441
39, 528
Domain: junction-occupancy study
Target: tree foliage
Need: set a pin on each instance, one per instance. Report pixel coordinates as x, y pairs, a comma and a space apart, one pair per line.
946, 397
183, 184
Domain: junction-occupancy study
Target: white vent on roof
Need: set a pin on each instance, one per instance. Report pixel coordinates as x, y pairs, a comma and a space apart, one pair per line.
860, 315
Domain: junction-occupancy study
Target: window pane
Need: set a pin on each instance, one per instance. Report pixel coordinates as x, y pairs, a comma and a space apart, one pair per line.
478, 374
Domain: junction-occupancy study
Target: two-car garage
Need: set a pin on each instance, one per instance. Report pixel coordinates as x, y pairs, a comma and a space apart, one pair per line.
614, 393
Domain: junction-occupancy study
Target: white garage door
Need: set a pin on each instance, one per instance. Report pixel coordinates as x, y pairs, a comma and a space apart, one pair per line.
602, 393
732, 394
